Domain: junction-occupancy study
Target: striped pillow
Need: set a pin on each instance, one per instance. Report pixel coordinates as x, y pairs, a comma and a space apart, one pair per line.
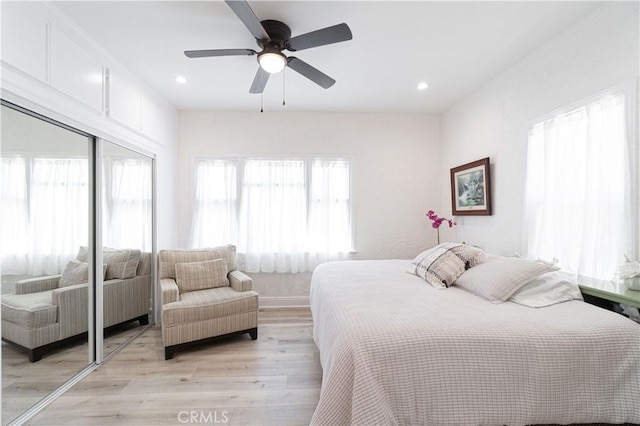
192, 276
121, 263
77, 272
440, 266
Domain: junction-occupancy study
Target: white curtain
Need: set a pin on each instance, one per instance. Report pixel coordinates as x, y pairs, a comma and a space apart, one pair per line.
578, 200
13, 216
58, 213
128, 207
215, 218
329, 216
283, 215
272, 228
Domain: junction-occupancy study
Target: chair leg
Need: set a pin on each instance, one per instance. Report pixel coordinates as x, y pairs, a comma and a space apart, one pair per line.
144, 320
35, 355
168, 353
253, 333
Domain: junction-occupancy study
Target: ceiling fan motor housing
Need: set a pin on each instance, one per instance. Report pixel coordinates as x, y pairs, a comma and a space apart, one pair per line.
273, 37
279, 32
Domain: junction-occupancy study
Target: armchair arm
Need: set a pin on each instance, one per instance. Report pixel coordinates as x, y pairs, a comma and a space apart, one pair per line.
73, 309
35, 285
170, 292
240, 281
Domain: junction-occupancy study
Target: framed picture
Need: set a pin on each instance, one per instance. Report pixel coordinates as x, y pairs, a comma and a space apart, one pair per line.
471, 189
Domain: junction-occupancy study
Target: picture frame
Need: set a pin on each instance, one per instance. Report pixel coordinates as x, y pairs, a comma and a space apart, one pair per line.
471, 189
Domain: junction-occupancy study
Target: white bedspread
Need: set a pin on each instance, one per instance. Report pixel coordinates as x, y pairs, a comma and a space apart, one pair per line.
396, 351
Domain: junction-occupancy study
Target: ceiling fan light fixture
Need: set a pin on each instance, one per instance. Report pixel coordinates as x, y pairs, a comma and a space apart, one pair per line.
272, 62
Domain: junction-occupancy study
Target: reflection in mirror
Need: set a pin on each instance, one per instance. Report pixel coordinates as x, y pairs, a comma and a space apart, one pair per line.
44, 220
126, 237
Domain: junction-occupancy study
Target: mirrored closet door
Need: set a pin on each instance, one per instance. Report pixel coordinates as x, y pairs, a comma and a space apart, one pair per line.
45, 223
76, 219
126, 234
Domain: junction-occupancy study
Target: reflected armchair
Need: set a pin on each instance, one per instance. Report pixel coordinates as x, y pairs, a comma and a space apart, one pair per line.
45, 312
204, 296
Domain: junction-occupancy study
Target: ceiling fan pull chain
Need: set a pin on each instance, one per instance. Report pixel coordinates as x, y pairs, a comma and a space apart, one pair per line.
261, 103
283, 92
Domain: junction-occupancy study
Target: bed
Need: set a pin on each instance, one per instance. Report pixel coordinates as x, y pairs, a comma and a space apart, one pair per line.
397, 351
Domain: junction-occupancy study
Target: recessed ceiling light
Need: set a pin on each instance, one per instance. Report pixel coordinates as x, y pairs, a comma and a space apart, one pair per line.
422, 86
181, 80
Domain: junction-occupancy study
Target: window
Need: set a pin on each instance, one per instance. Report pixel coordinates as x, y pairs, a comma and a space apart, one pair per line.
283, 215
215, 219
580, 188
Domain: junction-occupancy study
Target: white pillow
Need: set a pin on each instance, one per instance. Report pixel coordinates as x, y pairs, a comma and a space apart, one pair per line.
499, 277
441, 265
548, 289
192, 276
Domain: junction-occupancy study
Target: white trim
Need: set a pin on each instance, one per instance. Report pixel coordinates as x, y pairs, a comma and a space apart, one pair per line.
98, 292
267, 302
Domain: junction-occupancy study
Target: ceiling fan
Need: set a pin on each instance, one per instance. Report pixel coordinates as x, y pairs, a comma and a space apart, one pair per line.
273, 37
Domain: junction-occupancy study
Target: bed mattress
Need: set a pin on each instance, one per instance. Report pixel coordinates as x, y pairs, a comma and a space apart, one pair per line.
396, 351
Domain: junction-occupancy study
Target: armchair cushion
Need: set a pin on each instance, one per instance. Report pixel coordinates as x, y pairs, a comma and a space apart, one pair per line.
197, 306
193, 276
31, 310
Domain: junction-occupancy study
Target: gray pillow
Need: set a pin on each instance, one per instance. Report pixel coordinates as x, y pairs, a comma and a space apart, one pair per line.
192, 276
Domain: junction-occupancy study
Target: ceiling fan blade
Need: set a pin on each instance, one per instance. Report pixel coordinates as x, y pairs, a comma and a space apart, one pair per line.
259, 81
318, 77
242, 9
218, 52
329, 35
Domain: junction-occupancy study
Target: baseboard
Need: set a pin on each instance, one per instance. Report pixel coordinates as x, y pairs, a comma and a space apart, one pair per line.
267, 302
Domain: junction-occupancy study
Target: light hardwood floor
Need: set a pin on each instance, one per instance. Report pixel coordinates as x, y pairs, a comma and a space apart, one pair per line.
25, 383
274, 380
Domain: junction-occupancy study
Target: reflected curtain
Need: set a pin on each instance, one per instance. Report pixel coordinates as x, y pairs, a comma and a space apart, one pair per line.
13, 216
128, 204
58, 213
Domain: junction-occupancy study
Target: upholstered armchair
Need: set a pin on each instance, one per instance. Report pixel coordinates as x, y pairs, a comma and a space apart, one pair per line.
204, 296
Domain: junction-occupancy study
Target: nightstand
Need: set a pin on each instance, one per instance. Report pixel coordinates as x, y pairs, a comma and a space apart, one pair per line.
612, 291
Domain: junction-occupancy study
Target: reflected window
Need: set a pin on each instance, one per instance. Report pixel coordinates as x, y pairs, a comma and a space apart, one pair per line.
128, 203
46, 200
13, 215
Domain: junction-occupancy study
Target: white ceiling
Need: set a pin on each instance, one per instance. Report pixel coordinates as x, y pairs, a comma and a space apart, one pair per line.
456, 47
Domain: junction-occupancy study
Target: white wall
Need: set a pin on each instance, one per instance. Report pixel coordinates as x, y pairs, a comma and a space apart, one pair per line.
395, 163
51, 67
597, 52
